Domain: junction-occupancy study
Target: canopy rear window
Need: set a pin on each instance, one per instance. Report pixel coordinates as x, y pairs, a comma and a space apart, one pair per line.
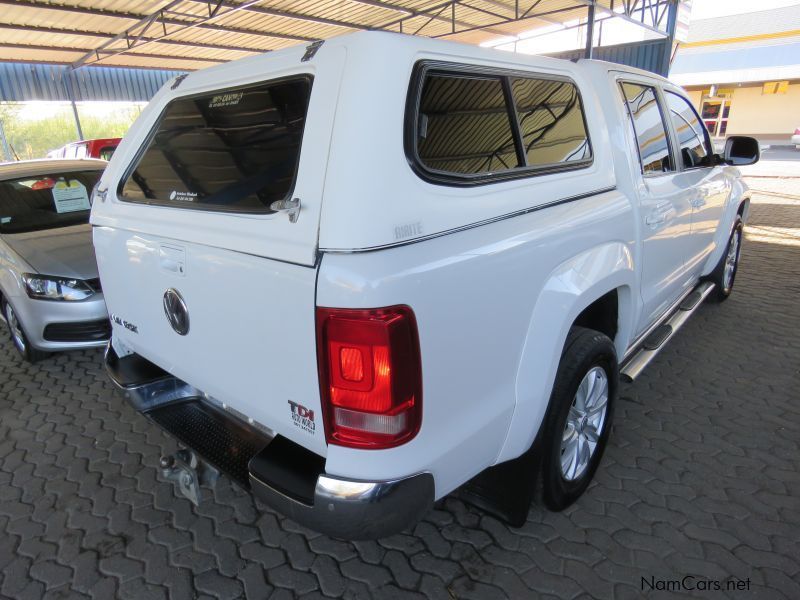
229, 150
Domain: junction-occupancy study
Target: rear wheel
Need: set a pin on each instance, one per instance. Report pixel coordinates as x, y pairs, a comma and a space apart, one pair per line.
724, 274
578, 421
18, 337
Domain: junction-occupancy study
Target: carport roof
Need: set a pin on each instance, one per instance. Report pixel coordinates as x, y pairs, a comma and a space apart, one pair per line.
191, 34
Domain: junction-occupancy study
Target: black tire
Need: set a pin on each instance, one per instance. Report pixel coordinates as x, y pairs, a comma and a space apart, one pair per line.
20, 338
722, 286
584, 350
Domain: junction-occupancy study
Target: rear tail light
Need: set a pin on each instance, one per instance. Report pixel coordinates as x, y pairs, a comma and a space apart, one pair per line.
797, 131
370, 376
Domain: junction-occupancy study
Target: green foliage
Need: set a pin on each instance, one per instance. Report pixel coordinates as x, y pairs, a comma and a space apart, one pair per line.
34, 138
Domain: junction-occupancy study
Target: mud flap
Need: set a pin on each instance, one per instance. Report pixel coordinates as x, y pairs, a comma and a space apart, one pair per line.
506, 490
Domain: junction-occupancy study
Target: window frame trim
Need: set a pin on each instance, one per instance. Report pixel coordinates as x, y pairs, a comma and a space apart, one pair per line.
424, 67
154, 129
657, 92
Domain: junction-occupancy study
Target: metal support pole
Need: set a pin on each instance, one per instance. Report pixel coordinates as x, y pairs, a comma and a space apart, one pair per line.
67, 81
672, 24
6, 149
590, 30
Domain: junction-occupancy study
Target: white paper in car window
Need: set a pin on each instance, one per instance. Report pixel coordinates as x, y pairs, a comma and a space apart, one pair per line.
70, 196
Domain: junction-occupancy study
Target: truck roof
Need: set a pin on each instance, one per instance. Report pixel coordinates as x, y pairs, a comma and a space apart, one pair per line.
24, 168
591, 64
395, 49
375, 42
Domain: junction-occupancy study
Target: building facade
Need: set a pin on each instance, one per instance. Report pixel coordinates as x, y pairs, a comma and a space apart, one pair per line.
743, 73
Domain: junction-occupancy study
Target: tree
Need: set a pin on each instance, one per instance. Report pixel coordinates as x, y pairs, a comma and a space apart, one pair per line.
34, 138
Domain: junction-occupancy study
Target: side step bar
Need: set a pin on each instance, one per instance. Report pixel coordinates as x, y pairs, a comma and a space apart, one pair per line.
658, 338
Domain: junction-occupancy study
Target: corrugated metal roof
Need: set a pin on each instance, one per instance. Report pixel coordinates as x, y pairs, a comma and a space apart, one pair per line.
22, 82
747, 24
191, 34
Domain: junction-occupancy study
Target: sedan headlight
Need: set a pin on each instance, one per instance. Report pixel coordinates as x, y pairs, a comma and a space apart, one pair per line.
47, 287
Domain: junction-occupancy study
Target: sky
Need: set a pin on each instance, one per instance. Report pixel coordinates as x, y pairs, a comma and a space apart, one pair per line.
543, 40
705, 9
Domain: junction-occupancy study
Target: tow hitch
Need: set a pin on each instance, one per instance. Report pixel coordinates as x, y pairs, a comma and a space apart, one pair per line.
187, 472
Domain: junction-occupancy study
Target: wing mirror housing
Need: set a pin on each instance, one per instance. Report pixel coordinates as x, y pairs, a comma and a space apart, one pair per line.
741, 150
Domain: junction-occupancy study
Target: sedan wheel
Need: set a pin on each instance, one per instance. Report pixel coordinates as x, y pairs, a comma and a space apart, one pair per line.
21, 343
17, 335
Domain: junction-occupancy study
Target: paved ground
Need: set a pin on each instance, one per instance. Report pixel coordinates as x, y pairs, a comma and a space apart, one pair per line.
702, 478
776, 161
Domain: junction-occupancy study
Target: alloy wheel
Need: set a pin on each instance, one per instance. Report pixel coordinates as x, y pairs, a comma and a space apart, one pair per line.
584, 426
16, 329
730, 260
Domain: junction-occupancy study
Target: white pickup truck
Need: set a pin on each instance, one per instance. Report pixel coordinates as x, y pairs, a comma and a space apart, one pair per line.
357, 275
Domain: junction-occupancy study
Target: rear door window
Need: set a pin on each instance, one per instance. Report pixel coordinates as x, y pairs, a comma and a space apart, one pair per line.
649, 127
551, 119
229, 150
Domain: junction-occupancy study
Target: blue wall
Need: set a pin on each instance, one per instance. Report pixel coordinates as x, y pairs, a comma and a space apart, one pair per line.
651, 56
21, 82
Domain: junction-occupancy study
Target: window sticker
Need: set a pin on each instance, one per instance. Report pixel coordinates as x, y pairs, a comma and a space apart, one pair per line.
4, 220
230, 99
184, 196
70, 196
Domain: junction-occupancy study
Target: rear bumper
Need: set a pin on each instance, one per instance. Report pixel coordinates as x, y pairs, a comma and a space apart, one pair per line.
282, 474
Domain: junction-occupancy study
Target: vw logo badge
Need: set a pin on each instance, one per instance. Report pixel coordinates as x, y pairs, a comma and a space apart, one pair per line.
175, 309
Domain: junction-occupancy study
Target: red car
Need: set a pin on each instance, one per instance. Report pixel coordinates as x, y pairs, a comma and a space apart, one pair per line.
101, 148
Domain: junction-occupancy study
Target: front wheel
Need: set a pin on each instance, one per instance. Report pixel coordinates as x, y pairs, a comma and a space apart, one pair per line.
578, 420
724, 274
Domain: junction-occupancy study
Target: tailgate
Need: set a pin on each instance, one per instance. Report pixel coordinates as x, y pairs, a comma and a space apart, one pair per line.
251, 335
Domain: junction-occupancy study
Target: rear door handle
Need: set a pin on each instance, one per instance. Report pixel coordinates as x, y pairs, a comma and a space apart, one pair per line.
699, 198
655, 219
659, 214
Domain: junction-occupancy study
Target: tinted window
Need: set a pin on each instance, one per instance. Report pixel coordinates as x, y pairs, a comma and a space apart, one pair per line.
234, 149
648, 124
464, 125
551, 121
689, 130
46, 201
106, 152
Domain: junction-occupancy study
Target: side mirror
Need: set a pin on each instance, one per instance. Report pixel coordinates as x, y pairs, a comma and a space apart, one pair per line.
741, 150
